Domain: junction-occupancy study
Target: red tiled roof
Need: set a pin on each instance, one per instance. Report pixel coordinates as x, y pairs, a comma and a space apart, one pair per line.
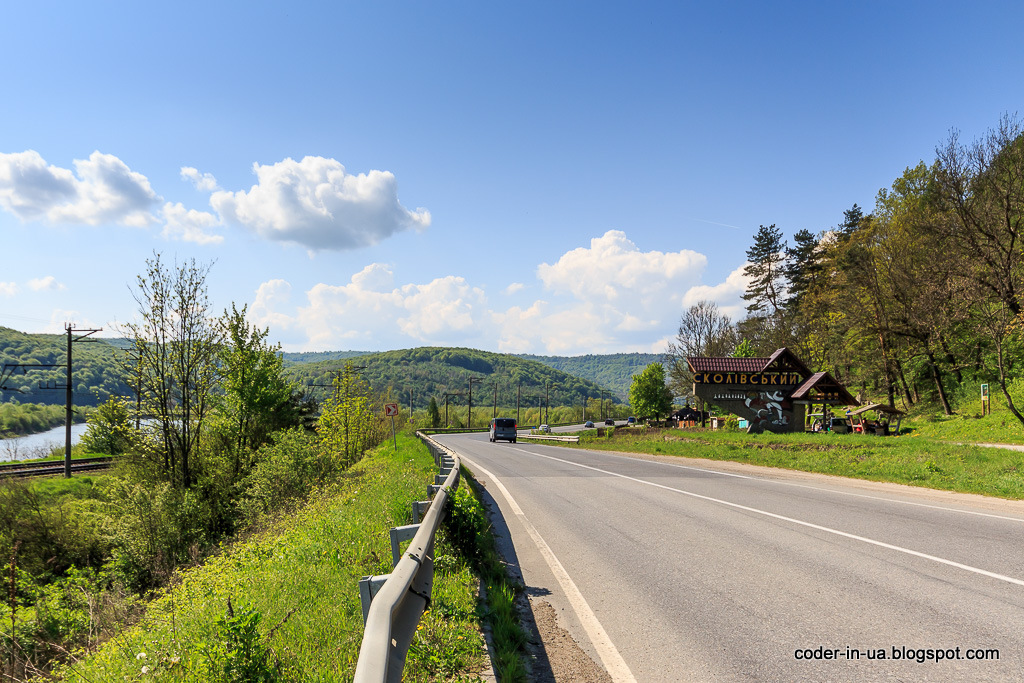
748, 365
782, 360
823, 382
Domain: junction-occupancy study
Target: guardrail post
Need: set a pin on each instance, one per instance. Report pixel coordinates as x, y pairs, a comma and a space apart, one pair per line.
368, 587
432, 489
399, 534
419, 508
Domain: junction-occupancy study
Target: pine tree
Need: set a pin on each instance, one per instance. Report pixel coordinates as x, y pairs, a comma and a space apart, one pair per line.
765, 271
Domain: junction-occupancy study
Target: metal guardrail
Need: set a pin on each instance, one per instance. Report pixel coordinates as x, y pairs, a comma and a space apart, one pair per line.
393, 603
550, 437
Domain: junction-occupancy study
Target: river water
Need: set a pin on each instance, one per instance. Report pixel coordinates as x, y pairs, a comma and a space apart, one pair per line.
38, 445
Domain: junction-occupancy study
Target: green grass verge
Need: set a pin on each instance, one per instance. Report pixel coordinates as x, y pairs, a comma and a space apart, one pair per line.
907, 459
293, 590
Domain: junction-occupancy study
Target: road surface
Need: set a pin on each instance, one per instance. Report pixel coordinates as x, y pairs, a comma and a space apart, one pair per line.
665, 569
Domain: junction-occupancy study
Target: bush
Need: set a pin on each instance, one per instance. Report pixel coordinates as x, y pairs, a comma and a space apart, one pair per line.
286, 470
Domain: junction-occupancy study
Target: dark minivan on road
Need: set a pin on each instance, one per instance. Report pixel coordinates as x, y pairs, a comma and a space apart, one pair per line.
503, 428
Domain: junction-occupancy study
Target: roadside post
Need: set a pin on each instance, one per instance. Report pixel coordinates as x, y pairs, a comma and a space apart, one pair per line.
391, 410
986, 408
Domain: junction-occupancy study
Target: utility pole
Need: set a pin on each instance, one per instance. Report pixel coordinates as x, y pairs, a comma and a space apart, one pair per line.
469, 418
446, 408
69, 399
494, 411
546, 403
519, 395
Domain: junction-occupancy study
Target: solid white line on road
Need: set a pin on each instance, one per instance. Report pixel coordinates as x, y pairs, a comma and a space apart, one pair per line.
828, 490
880, 544
613, 662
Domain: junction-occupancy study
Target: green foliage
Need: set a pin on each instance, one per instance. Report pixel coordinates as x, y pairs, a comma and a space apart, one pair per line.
744, 350
431, 372
237, 654
111, 429
286, 470
96, 371
467, 525
648, 394
611, 371
256, 396
296, 581
434, 413
29, 418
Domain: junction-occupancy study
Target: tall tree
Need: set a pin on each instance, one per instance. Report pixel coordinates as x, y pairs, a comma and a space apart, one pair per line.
802, 268
703, 331
648, 394
257, 399
172, 361
766, 259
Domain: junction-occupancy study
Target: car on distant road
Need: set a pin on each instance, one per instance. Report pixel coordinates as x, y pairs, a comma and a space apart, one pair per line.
589, 425
631, 420
610, 422
503, 428
544, 428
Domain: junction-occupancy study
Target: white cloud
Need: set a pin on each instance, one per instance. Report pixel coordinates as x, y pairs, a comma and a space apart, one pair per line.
8, 289
316, 203
204, 182
614, 269
101, 190
636, 308
728, 295
514, 288
189, 225
45, 284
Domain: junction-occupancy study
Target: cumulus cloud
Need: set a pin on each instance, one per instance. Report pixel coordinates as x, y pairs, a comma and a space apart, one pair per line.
514, 288
613, 267
102, 189
189, 225
204, 182
607, 298
728, 295
370, 312
8, 289
45, 284
316, 203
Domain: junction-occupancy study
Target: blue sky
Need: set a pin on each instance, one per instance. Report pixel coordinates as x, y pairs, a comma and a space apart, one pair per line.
529, 177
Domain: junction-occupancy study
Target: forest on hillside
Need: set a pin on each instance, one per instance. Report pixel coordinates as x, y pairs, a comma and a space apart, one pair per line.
417, 375
95, 372
915, 303
614, 371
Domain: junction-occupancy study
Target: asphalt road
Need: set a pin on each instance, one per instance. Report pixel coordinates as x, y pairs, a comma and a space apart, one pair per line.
665, 569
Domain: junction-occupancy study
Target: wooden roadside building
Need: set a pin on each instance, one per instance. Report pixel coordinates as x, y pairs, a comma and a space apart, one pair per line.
772, 393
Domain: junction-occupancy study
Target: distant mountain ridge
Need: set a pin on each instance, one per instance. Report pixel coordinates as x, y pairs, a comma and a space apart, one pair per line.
425, 371
612, 370
434, 371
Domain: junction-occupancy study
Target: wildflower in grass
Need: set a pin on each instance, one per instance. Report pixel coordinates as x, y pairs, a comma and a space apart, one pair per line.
140, 656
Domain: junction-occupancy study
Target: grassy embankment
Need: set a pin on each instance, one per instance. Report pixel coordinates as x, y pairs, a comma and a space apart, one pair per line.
293, 590
930, 452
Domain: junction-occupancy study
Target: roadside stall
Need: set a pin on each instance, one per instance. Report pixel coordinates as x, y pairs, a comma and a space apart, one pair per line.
883, 425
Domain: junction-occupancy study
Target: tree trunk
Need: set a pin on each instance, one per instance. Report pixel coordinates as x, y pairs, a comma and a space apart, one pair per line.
937, 377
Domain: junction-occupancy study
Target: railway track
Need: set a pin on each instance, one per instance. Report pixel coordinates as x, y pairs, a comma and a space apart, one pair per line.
51, 468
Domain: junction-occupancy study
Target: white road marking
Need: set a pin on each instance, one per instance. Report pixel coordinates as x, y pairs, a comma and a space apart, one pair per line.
880, 544
819, 488
613, 662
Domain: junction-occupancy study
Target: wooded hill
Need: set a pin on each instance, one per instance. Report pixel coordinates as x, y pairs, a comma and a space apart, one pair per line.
613, 371
431, 372
95, 373
428, 371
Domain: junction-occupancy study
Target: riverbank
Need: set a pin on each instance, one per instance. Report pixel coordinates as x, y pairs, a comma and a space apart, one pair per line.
39, 445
